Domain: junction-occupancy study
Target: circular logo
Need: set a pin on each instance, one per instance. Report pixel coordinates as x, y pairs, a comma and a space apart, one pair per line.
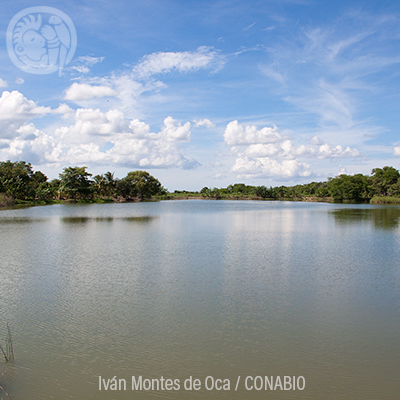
41, 40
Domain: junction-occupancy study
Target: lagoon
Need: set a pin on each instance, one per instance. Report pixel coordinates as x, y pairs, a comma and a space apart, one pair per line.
201, 288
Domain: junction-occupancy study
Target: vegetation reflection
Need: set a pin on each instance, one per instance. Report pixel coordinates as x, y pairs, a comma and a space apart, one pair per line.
381, 217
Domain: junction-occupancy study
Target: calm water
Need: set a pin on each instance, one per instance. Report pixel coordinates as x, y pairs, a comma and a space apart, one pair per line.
202, 288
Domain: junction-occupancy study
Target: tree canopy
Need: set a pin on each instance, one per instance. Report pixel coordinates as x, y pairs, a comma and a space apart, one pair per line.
20, 182
75, 183
139, 184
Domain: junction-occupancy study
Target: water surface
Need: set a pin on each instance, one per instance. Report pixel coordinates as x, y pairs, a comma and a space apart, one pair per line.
202, 288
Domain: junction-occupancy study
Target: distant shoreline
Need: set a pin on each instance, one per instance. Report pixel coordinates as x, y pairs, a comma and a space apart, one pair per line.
9, 204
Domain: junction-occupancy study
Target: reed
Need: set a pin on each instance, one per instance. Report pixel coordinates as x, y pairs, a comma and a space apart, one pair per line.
385, 200
8, 353
8, 349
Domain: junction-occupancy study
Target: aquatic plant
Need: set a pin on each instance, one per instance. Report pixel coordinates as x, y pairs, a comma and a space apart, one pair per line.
8, 350
8, 353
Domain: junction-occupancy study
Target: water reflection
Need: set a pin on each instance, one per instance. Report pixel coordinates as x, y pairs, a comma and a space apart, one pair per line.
224, 289
19, 220
83, 220
381, 217
75, 219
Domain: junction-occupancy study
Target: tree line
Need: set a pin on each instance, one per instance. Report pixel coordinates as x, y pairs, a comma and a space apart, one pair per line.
21, 183
383, 182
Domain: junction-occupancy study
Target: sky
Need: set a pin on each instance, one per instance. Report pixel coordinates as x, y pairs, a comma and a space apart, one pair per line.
205, 92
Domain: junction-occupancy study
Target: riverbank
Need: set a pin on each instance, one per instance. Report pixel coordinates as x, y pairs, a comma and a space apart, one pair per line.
7, 202
385, 200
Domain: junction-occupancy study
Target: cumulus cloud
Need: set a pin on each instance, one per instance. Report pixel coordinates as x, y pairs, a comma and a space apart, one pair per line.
83, 91
316, 140
396, 151
186, 61
90, 123
16, 110
249, 168
31, 144
3, 83
93, 136
132, 142
235, 134
173, 132
327, 151
265, 152
97, 137
14, 103
204, 123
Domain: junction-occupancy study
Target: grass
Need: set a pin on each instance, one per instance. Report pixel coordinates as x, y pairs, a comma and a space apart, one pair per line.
8, 350
5, 201
8, 353
385, 200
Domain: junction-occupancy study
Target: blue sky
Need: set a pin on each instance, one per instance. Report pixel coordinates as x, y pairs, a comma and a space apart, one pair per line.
209, 93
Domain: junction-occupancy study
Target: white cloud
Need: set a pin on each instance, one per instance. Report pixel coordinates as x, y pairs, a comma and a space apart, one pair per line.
125, 90
218, 176
19, 81
82, 69
99, 137
15, 111
260, 150
205, 123
85, 63
174, 132
142, 148
186, 61
396, 151
272, 72
15, 104
215, 164
236, 135
88, 60
249, 168
329, 73
83, 91
265, 152
3, 83
326, 151
331, 102
94, 136
316, 140
31, 144
91, 123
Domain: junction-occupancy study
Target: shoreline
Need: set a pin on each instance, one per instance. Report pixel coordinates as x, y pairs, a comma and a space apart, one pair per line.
10, 204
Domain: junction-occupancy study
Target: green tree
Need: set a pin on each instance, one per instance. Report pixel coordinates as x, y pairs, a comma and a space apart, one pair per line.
111, 183
395, 189
349, 187
45, 191
75, 183
18, 180
139, 184
99, 185
263, 192
322, 190
384, 181
105, 185
281, 192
